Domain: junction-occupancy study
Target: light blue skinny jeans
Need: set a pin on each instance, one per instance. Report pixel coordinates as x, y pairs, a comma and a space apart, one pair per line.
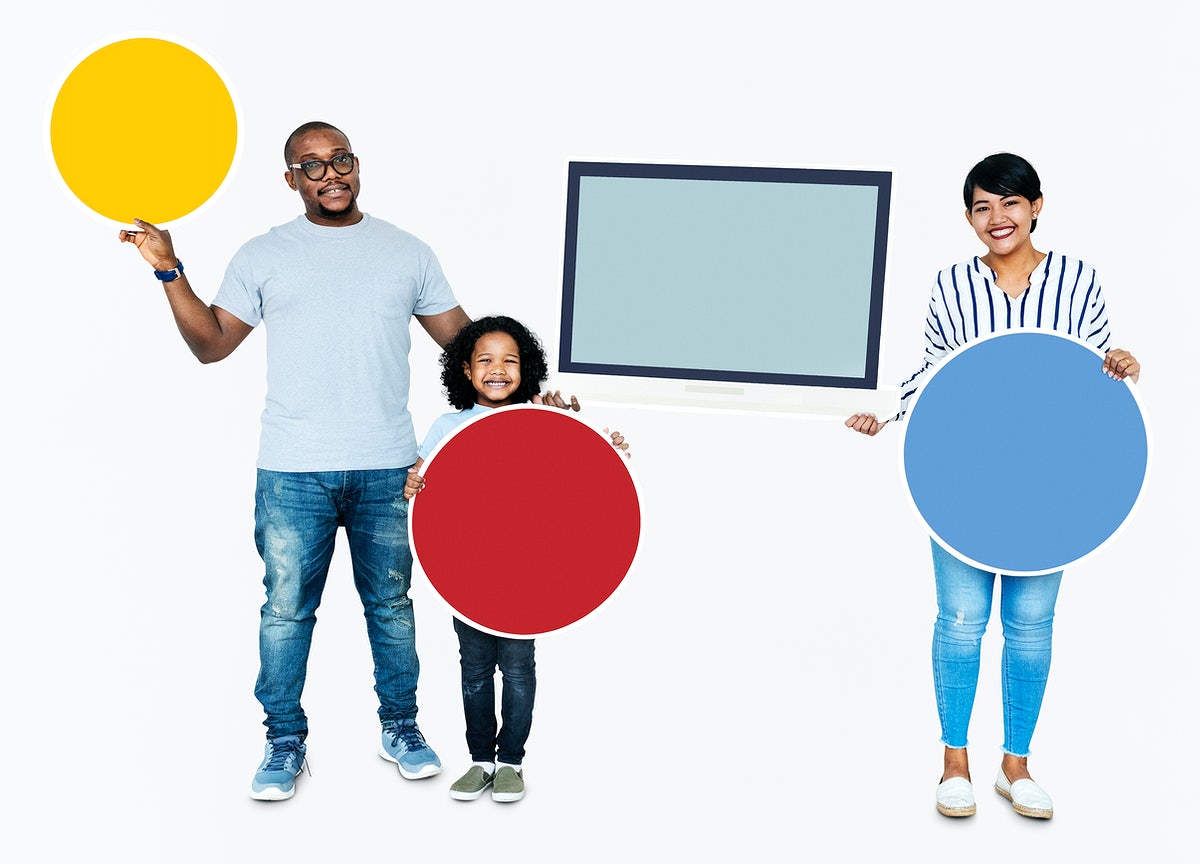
964, 597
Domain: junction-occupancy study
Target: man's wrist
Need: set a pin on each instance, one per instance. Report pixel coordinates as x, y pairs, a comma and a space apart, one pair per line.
170, 275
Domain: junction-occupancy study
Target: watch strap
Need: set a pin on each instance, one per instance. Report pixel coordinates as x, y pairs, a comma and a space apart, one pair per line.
170, 275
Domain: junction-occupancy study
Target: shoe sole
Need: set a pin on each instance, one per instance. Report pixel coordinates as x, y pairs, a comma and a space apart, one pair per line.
507, 797
1031, 812
458, 795
956, 812
426, 771
272, 793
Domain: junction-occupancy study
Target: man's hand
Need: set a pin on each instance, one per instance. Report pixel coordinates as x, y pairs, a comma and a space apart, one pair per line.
153, 242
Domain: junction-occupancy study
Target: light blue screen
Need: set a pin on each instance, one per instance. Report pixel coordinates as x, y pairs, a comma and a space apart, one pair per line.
742, 276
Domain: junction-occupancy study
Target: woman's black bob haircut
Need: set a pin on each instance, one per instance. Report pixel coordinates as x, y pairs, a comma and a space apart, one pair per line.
534, 369
1003, 174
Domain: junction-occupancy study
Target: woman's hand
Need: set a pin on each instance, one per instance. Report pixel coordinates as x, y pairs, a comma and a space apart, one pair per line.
867, 424
1119, 363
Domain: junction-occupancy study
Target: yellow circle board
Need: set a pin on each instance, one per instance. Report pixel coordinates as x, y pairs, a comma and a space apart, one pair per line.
143, 128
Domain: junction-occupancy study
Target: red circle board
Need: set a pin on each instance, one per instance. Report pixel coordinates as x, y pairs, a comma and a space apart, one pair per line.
529, 520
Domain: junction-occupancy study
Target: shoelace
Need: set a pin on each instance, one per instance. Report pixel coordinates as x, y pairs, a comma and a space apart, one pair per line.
281, 751
410, 734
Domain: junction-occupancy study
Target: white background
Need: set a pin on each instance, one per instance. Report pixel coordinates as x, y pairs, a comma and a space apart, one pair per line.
761, 685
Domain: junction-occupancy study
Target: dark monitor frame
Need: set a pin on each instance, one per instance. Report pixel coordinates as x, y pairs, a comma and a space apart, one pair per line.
880, 180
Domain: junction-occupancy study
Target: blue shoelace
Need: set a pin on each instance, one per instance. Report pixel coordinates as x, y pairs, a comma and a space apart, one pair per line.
280, 751
411, 736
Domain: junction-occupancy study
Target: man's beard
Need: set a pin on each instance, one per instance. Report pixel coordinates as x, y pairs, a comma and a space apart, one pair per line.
337, 214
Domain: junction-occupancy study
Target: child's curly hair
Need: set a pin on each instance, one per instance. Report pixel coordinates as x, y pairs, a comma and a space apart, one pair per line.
534, 368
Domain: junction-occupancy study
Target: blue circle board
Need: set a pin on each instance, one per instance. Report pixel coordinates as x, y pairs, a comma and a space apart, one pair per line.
1021, 456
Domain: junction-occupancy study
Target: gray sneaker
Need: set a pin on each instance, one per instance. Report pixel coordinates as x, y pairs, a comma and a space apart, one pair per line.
471, 785
508, 784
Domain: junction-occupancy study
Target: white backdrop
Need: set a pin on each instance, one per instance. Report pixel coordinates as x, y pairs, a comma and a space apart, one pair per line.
761, 685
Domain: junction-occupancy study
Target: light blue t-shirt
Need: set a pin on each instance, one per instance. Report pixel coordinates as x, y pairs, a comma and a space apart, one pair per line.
337, 303
446, 424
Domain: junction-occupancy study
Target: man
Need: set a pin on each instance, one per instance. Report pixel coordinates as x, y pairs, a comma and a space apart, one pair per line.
336, 289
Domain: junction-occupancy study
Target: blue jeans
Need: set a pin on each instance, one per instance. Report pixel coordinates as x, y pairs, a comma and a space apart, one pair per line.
964, 597
296, 518
479, 654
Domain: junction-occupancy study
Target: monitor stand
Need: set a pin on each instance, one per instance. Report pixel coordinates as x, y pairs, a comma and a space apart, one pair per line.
883, 402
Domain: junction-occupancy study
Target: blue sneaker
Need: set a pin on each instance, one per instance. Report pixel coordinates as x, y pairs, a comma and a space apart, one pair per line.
404, 745
275, 779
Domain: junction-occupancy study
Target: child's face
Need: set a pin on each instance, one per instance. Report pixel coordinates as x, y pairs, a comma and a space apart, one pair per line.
495, 369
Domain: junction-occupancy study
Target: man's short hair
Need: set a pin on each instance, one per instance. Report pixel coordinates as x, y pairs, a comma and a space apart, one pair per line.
304, 129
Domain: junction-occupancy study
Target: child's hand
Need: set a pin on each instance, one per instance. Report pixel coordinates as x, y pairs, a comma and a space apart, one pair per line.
554, 399
413, 483
619, 442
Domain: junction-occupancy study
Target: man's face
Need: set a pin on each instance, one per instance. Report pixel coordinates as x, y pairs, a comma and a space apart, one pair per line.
332, 200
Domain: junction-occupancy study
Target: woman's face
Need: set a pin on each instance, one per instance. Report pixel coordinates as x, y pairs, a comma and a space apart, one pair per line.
1002, 222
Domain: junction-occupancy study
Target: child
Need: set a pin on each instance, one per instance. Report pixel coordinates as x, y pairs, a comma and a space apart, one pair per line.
492, 362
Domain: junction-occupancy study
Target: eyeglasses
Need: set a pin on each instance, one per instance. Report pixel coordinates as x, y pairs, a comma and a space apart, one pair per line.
314, 169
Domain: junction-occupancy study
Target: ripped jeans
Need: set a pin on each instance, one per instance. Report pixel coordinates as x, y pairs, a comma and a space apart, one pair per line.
964, 597
296, 518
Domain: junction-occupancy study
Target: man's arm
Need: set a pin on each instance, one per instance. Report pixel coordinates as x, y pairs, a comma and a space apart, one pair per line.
444, 326
209, 331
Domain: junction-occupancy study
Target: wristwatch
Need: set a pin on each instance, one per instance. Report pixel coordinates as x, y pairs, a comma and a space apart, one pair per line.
170, 275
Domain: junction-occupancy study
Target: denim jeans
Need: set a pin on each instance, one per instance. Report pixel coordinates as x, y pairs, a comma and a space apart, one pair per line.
296, 518
479, 654
964, 597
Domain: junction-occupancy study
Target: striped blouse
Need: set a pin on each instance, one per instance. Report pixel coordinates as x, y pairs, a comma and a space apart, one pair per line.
1064, 295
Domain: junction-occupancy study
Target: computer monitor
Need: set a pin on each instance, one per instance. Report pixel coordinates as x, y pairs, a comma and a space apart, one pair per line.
755, 288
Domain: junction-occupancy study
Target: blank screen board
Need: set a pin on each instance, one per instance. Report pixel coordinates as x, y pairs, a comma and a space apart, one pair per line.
724, 273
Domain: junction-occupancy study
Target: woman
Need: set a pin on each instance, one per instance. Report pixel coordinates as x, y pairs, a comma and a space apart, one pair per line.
1012, 286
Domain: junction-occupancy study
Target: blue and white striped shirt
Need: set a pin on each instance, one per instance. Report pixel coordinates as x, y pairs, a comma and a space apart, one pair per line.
1064, 295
